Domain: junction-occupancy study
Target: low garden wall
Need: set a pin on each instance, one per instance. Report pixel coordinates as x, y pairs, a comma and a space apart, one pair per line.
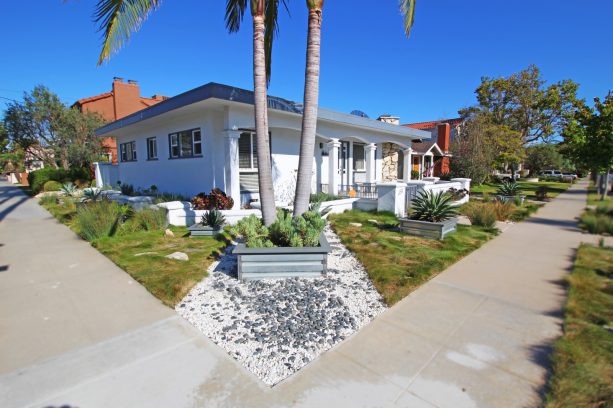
182, 214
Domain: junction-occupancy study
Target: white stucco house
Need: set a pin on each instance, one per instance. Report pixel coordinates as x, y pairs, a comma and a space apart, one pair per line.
205, 138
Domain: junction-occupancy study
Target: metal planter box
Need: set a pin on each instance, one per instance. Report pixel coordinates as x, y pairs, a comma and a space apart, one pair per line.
282, 262
199, 230
426, 229
506, 199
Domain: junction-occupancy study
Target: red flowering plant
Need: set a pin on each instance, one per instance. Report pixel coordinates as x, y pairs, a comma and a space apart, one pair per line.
215, 200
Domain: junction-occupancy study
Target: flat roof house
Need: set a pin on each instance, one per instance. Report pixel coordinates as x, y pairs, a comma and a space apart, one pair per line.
205, 138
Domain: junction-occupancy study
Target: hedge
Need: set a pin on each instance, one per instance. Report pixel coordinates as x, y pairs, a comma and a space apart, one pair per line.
38, 178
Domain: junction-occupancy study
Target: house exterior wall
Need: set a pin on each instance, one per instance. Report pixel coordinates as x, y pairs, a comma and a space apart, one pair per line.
391, 154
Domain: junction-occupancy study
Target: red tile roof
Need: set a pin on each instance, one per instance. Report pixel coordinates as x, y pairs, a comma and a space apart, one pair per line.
93, 98
433, 123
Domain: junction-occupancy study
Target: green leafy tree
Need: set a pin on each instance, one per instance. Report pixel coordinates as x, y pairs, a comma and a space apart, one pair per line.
79, 131
473, 155
542, 157
118, 19
523, 103
508, 146
311, 97
588, 139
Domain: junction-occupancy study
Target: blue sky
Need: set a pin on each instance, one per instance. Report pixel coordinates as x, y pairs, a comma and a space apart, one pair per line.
367, 63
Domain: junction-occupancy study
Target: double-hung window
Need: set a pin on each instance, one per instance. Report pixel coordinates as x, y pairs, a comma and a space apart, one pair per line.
127, 151
248, 151
358, 157
152, 148
187, 143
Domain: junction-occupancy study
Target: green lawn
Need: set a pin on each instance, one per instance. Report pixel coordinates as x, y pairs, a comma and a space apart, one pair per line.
594, 199
528, 188
398, 263
167, 279
583, 357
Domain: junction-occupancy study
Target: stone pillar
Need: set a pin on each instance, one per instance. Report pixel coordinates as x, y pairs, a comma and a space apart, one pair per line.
406, 169
371, 169
233, 187
333, 176
392, 197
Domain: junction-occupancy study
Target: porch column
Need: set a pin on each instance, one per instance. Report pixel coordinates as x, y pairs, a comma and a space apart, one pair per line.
333, 176
422, 167
371, 169
406, 169
233, 187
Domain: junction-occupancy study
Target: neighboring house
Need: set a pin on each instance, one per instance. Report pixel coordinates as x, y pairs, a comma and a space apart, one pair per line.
123, 100
35, 156
205, 138
432, 158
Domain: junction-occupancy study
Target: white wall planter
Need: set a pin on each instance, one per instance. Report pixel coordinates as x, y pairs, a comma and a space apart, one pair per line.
436, 230
282, 262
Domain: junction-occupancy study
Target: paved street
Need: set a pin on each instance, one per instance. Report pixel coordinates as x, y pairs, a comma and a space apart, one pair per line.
76, 330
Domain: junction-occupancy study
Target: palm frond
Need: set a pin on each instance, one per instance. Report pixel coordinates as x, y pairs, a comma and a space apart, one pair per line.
118, 19
272, 30
235, 11
407, 8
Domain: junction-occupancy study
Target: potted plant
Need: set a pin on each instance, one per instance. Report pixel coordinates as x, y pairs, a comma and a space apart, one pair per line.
509, 191
290, 247
432, 216
211, 223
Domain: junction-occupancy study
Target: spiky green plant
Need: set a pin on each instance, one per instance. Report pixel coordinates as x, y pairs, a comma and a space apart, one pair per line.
213, 218
91, 194
68, 189
509, 189
432, 207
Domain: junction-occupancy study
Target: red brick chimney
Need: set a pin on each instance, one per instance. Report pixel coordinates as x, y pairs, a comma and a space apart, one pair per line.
443, 131
127, 97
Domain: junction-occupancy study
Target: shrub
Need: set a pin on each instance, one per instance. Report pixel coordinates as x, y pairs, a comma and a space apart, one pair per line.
604, 209
127, 189
457, 194
503, 210
541, 193
150, 219
216, 199
321, 197
482, 215
253, 232
432, 207
48, 200
213, 218
414, 175
596, 223
509, 189
80, 183
447, 176
38, 178
100, 219
52, 185
68, 189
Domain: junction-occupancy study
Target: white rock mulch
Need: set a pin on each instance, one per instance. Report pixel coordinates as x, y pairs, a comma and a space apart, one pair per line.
276, 327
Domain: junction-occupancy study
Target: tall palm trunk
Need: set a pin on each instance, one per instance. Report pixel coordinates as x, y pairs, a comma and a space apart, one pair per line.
267, 197
309, 116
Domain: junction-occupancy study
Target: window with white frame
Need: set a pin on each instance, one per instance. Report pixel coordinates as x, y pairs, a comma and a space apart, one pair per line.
128, 151
152, 148
248, 151
359, 163
187, 143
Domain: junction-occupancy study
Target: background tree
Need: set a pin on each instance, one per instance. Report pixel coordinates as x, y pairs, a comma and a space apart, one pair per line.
473, 155
523, 103
542, 157
118, 19
79, 130
588, 139
507, 145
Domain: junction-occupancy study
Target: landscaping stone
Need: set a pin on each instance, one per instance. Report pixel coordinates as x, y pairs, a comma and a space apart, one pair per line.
179, 256
355, 224
169, 233
276, 327
145, 253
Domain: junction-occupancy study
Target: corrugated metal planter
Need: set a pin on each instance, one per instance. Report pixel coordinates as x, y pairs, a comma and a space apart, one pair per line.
199, 230
282, 262
426, 229
506, 199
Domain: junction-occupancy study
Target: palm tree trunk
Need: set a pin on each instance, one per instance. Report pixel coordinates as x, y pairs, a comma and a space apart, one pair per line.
267, 197
309, 116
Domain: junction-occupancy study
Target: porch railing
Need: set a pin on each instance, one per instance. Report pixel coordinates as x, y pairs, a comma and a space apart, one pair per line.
357, 190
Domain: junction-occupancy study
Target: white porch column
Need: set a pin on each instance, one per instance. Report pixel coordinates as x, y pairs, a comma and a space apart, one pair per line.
233, 187
406, 169
422, 167
371, 169
333, 176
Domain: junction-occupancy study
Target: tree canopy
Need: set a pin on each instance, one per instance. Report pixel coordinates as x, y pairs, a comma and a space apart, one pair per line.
542, 157
523, 103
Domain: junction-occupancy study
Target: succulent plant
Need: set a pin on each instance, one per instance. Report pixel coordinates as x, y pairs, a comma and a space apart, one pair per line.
509, 189
213, 218
432, 207
68, 189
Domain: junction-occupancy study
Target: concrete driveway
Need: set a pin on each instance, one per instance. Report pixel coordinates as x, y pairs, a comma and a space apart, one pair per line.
77, 331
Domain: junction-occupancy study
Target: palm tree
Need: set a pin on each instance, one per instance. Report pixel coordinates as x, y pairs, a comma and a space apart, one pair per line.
118, 19
311, 96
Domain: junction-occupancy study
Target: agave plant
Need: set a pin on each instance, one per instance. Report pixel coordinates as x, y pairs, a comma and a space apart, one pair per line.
509, 189
91, 194
433, 207
68, 189
213, 218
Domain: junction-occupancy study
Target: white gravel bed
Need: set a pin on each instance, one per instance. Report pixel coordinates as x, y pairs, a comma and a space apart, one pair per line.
276, 327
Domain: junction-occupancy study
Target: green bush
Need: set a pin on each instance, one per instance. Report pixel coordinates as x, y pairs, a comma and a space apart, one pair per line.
321, 197
432, 207
150, 219
253, 232
38, 178
48, 200
596, 223
481, 214
100, 219
52, 185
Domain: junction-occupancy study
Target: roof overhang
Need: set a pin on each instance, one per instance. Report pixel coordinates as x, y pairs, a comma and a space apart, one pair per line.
213, 92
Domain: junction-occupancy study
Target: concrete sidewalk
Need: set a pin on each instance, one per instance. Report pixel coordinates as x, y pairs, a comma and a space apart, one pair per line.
478, 335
